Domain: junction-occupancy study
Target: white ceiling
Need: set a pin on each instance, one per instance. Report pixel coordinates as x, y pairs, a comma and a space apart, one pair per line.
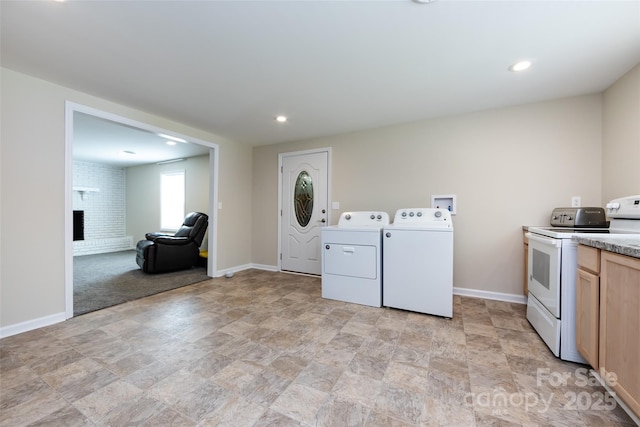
102, 141
229, 67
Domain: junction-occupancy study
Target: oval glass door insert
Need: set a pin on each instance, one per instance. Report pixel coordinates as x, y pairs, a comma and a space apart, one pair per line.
303, 198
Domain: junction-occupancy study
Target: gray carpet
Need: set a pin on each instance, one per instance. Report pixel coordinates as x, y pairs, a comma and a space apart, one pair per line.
105, 280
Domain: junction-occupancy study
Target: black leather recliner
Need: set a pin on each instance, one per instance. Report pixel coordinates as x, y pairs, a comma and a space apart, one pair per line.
161, 253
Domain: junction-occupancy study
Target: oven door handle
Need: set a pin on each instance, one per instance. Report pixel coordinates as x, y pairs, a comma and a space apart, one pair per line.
544, 240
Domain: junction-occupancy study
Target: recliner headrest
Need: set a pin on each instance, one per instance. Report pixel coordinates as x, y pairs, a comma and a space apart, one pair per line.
191, 218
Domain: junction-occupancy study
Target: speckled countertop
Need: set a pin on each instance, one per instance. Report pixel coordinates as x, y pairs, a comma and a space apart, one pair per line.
627, 245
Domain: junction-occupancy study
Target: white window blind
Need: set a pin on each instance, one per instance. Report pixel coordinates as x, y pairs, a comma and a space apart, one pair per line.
172, 189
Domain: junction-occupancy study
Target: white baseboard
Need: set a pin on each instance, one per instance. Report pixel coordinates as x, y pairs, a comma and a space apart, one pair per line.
264, 267
238, 268
30, 325
102, 246
498, 296
235, 269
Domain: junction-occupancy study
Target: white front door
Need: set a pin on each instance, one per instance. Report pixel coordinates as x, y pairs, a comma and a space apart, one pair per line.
304, 210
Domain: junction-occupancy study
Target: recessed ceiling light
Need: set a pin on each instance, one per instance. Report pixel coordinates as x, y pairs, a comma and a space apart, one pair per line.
173, 138
171, 143
281, 119
520, 66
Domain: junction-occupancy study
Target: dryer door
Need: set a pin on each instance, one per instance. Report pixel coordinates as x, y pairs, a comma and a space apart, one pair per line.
350, 260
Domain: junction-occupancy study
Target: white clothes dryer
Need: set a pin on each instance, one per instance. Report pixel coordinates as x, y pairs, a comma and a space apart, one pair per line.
352, 258
418, 261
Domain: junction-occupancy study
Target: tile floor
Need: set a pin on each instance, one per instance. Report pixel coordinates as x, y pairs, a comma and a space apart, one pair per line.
264, 349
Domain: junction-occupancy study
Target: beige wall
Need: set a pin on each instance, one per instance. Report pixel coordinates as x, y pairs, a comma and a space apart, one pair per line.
32, 186
143, 193
621, 137
508, 168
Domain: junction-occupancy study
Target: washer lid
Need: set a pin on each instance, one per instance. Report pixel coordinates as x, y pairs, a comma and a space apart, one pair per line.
363, 219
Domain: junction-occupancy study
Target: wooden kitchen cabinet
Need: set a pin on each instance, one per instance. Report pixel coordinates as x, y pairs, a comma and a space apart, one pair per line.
608, 319
619, 341
588, 304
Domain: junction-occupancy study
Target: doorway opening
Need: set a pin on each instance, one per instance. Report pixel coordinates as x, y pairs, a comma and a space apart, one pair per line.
71, 110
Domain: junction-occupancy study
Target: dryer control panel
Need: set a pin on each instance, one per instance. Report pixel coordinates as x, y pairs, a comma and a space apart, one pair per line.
363, 219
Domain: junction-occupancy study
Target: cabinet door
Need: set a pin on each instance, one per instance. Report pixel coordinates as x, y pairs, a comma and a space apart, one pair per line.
587, 316
620, 325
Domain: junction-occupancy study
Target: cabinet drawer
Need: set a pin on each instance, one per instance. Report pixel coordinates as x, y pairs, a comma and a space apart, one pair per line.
589, 258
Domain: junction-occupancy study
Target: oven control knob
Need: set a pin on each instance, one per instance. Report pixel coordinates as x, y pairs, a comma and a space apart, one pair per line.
404, 214
348, 216
327, 247
379, 216
438, 214
372, 216
388, 234
419, 214
411, 214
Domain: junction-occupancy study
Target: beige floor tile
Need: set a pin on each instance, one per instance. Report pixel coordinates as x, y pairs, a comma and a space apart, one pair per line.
409, 377
300, 402
236, 411
339, 413
372, 367
358, 389
97, 404
401, 404
320, 376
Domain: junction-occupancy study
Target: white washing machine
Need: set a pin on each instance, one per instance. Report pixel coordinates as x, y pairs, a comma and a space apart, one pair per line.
352, 258
418, 261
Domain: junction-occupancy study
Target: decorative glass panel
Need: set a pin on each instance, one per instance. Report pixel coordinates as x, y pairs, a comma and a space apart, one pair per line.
303, 198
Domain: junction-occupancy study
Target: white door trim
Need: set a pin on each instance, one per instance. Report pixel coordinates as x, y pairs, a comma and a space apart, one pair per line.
214, 153
281, 156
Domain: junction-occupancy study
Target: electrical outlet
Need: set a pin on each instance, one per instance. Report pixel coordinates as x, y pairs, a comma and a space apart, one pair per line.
575, 202
335, 205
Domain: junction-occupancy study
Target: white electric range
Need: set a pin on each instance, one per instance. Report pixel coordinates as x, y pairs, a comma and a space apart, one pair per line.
552, 267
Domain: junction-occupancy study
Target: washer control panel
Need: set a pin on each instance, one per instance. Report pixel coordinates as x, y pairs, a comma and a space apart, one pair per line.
363, 219
423, 216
